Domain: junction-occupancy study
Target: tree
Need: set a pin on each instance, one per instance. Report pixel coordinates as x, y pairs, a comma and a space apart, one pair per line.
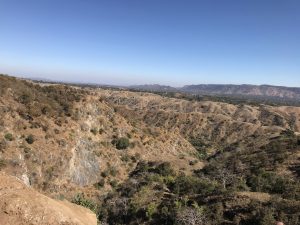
119, 206
190, 216
225, 177
268, 217
118, 209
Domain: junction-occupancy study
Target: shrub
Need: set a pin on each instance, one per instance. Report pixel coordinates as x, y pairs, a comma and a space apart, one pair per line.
9, 137
101, 131
112, 171
30, 139
151, 209
25, 98
184, 185
272, 183
79, 199
122, 143
113, 183
94, 131
142, 167
165, 169
104, 173
100, 184
125, 158
2, 163
27, 152
200, 146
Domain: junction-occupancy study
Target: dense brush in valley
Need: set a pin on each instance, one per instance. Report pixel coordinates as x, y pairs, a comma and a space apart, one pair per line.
142, 158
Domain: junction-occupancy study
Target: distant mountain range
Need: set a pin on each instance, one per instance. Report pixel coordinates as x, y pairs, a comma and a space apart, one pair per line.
229, 90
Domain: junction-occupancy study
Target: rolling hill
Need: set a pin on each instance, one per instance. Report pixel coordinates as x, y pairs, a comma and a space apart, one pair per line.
142, 158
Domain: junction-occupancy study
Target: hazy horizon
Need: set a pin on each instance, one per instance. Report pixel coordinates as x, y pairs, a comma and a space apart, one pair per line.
171, 43
45, 79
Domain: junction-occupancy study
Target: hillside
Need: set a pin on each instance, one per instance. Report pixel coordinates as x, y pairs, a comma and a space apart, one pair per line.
60, 139
217, 123
142, 158
22, 205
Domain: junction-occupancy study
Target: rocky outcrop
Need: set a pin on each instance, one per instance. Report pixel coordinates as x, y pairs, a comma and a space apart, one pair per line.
21, 205
84, 167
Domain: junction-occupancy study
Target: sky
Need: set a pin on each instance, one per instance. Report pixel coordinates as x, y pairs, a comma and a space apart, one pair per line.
168, 42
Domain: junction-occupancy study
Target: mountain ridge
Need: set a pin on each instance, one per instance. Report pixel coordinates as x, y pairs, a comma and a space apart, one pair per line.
249, 90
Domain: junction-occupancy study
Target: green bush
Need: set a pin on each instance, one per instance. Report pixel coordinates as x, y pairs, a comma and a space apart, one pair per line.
30, 139
186, 185
165, 169
112, 171
200, 146
25, 98
9, 137
272, 183
100, 184
122, 143
125, 158
2, 163
113, 183
151, 210
101, 131
104, 173
94, 131
79, 199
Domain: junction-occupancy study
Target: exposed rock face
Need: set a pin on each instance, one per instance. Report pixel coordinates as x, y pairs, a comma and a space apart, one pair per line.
21, 205
84, 167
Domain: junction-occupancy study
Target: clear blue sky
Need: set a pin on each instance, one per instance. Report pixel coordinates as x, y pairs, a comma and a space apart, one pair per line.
152, 41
